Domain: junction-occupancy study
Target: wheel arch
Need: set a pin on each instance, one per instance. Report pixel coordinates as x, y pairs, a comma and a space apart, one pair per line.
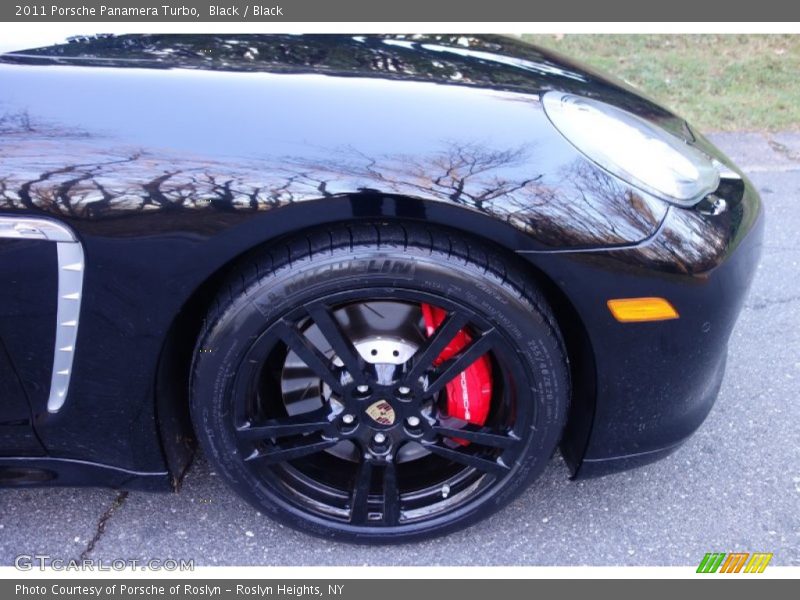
174, 365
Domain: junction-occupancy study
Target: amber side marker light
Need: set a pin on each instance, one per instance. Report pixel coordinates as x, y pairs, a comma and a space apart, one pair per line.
636, 310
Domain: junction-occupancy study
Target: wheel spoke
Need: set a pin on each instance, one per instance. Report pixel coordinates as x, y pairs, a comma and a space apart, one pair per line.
391, 495
456, 365
341, 344
359, 500
481, 436
285, 426
309, 354
486, 465
276, 453
443, 335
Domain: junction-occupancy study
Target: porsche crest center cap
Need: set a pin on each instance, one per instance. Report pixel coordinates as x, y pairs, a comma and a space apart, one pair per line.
381, 412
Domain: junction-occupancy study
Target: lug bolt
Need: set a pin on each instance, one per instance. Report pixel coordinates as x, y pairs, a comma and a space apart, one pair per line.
348, 419
379, 438
412, 421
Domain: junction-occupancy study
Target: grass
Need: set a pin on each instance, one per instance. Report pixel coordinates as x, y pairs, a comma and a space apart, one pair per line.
717, 82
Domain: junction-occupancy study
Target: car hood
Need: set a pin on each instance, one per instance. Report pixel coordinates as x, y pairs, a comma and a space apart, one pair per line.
485, 61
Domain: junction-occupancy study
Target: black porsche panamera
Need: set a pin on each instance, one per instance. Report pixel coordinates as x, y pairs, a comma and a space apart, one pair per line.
380, 279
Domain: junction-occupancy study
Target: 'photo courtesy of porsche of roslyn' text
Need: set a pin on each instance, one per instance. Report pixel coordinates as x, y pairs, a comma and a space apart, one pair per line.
393, 304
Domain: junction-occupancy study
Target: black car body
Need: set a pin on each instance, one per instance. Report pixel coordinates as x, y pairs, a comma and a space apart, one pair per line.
135, 170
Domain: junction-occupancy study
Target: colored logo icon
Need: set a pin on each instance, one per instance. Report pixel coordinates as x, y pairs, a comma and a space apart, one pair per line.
734, 562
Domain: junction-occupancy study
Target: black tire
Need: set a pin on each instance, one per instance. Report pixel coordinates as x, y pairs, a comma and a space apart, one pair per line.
242, 378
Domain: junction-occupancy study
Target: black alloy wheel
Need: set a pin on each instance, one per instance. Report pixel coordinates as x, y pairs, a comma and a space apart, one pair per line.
324, 393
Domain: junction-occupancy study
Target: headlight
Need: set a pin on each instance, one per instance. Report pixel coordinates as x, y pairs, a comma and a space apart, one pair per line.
636, 151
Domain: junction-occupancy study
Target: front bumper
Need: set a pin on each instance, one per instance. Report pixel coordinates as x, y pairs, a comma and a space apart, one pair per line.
653, 384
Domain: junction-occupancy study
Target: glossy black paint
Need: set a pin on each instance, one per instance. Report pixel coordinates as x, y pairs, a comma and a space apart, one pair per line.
27, 318
657, 381
174, 156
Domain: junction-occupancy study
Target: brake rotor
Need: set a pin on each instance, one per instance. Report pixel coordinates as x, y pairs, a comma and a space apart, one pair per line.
388, 334
385, 334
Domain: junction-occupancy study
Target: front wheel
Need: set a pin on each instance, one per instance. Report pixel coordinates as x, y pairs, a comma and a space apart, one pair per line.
379, 382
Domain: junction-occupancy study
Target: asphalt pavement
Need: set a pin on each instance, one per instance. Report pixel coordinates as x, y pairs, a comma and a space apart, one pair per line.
735, 486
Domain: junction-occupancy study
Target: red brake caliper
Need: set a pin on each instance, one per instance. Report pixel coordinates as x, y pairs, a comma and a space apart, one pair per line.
470, 393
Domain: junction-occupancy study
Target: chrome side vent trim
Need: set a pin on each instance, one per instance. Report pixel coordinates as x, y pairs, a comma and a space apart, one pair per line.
70, 289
